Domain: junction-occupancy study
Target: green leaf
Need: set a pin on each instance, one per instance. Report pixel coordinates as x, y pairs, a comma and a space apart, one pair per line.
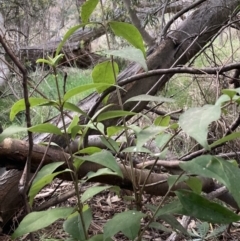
83, 88
104, 158
72, 107
127, 222
225, 139
230, 92
89, 150
148, 133
38, 220
162, 139
205, 210
45, 128
20, 105
216, 167
45, 61
195, 122
87, 9
112, 130
150, 98
175, 207
74, 123
162, 121
46, 170
131, 54
67, 36
222, 99
135, 149
44, 177
92, 191
114, 114
195, 184
110, 144
175, 179
51, 61
11, 130
74, 226
103, 73
203, 229
174, 223
130, 33
101, 172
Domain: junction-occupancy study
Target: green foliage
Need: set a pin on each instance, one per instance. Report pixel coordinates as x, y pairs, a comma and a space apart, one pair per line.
74, 225
130, 33
37, 220
118, 223
87, 9
195, 122
200, 207
106, 73
131, 54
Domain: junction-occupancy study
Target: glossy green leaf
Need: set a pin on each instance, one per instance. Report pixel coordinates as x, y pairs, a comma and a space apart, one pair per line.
229, 92
114, 114
46, 170
103, 73
148, 133
45, 128
112, 130
83, 88
130, 33
67, 36
89, 150
195, 122
73, 123
150, 98
74, 226
132, 54
11, 130
127, 222
110, 144
195, 184
20, 105
87, 9
39, 185
92, 191
43, 178
72, 107
225, 139
216, 167
162, 121
205, 210
101, 172
104, 158
38, 220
